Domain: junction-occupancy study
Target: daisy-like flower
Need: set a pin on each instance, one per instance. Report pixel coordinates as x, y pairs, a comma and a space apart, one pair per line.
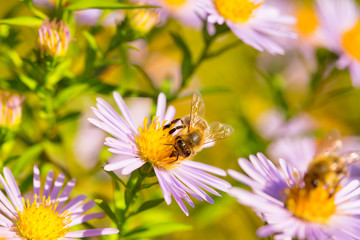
184, 11
252, 21
340, 21
290, 209
48, 215
149, 143
54, 38
273, 124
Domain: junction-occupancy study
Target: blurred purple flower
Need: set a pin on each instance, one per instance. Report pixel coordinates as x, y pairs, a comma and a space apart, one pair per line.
89, 17
46, 216
273, 124
290, 212
340, 21
185, 11
136, 145
88, 143
300, 151
254, 22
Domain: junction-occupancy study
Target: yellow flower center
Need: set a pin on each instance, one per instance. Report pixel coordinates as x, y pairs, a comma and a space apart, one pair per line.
41, 221
313, 205
238, 11
155, 144
351, 41
307, 21
175, 2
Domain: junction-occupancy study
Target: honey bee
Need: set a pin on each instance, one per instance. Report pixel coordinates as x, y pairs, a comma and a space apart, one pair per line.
329, 167
195, 131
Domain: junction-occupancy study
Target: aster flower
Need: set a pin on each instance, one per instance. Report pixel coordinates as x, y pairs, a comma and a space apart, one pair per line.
252, 21
47, 215
185, 11
340, 22
54, 38
273, 124
292, 211
136, 145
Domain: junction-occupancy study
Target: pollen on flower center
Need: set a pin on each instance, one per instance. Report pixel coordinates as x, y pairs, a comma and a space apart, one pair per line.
315, 205
307, 21
351, 41
238, 11
155, 144
41, 221
175, 2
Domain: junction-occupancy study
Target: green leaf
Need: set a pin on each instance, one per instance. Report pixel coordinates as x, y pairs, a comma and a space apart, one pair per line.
92, 43
149, 204
106, 208
67, 93
156, 230
101, 4
187, 66
69, 116
27, 158
57, 73
29, 82
28, 21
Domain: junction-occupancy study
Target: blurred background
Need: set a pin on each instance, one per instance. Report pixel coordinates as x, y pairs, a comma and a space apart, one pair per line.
264, 98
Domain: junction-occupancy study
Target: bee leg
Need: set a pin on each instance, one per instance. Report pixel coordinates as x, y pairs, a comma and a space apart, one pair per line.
176, 128
173, 122
177, 158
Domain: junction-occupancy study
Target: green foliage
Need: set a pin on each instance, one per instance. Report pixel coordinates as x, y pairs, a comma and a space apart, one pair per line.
156, 230
28, 21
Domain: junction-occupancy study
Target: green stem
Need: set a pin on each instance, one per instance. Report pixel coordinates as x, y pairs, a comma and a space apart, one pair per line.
134, 186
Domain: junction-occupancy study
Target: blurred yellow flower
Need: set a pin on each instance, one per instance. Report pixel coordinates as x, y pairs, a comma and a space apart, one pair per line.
10, 114
351, 41
236, 10
54, 38
175, 2
307, 21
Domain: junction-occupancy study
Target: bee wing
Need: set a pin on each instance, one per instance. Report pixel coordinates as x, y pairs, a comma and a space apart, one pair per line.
351, 157
331, 143
217, 131
197, 109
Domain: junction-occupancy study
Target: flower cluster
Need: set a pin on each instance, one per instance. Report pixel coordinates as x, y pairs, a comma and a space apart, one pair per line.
289, 57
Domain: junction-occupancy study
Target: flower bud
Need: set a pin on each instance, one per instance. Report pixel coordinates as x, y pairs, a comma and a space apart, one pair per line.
54, 38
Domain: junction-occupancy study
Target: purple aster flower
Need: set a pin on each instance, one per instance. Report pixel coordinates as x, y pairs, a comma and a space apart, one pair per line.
273, 124
254, 22
185, 11
149, 143
292, 211
340, 21
48, 215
